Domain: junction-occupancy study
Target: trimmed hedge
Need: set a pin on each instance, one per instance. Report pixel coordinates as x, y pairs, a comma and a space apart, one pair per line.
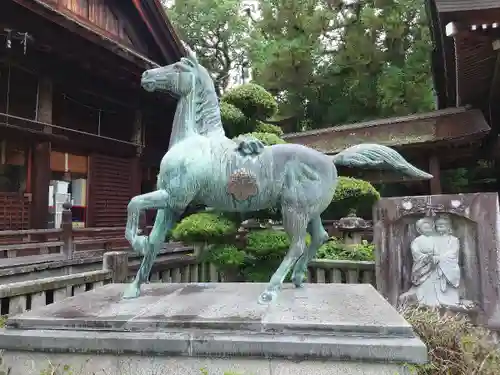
268, 139
253, 100
262, 127
233, 120
335, 249
267, 243
352, 194
204, 227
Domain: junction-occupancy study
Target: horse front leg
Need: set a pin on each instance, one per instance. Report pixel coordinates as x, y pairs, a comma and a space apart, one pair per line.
154, 200
164, 221
295, 225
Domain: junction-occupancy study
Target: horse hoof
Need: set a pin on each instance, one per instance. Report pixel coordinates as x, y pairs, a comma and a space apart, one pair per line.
298, 281
133, 291
298, 284
266, 297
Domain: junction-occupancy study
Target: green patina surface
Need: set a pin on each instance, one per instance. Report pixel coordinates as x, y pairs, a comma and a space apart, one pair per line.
203, 166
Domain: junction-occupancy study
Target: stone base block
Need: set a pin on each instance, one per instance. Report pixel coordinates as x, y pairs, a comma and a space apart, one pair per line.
185, 328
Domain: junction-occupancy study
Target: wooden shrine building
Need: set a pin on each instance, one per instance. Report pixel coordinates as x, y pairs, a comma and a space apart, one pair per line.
466, 124
431, 141
74, 122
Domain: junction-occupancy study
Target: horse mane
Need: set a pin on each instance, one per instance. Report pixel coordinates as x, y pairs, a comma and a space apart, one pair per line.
207, 112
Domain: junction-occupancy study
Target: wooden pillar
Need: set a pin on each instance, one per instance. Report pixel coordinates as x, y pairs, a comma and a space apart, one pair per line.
136, 162
434, 169
136, 167
41, 158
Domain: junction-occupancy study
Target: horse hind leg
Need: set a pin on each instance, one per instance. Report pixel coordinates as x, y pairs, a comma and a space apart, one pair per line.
318, 237
163, 223
295, 225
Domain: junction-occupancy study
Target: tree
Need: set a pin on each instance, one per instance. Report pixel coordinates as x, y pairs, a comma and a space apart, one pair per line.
284, 49
217, 31
333, 62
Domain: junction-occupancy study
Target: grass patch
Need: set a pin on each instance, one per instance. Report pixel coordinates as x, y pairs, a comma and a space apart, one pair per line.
455, 345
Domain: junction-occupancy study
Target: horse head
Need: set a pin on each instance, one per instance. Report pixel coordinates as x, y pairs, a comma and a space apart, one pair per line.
178, 78
198, 106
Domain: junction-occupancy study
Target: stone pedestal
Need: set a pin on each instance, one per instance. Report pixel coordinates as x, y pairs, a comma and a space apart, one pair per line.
218, 327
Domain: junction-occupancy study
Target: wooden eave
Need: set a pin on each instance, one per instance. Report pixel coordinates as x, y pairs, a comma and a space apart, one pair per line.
463, 64
444, 6
154, 16
451, 125
93, 35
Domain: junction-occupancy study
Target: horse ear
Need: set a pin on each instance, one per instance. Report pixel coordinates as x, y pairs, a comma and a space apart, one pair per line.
190, 55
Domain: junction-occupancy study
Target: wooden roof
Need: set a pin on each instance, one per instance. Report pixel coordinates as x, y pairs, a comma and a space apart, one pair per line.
443, 126
464, 60
150, 39
465, 5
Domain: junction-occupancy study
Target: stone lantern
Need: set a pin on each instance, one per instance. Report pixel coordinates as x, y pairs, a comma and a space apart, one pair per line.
351, 228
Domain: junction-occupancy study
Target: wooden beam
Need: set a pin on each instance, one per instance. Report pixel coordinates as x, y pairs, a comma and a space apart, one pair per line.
78, 27
66, 75
51, 37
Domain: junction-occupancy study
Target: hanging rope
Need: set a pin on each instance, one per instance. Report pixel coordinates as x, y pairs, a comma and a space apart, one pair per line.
96, 109
22, 37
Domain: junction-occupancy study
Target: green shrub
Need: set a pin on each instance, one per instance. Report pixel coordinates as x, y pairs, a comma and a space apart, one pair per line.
352, 193
253, 100
268, 139
3, 320
335, 249
233, 120
267, 243
455, 346
223, 255
262, 127
204, 227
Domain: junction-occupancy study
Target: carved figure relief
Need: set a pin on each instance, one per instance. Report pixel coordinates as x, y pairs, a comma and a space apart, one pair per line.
435, 272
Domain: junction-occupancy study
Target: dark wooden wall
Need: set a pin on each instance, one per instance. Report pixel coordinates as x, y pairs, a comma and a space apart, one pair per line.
96, 12
18, 97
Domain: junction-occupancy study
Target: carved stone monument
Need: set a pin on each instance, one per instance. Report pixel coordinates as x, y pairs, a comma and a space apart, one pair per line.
440, 251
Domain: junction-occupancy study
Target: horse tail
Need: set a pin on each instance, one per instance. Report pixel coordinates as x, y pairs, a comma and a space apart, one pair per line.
375, 156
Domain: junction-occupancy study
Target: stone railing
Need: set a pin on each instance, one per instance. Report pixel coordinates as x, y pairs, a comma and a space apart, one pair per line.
82, 261
180, 267
341, 271
18, 297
